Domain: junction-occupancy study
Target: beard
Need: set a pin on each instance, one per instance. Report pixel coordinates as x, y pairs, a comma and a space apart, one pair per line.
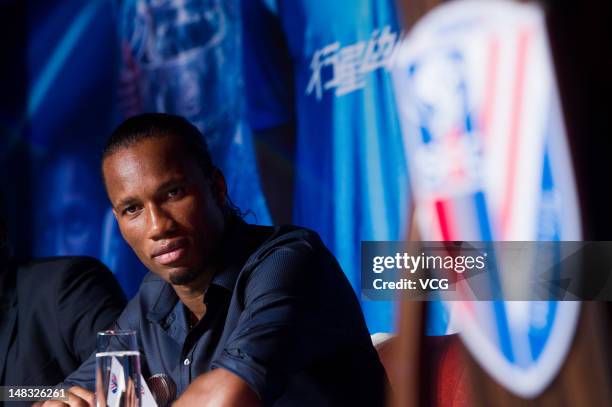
183, 277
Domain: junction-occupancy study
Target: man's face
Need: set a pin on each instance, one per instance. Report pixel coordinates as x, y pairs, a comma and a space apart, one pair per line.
165, 207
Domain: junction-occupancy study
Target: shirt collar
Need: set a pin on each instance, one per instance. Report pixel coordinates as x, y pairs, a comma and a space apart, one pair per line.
166, 301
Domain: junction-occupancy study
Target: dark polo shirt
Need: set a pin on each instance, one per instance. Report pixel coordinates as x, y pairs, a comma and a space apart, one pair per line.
280, 314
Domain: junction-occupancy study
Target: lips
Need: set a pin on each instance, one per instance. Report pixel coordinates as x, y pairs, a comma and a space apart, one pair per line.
169, 252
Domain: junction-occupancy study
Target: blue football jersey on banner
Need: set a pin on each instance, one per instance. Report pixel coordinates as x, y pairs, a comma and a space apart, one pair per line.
326, 66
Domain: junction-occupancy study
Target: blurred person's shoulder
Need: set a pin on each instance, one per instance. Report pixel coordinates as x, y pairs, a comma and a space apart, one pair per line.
46, 270
66, 278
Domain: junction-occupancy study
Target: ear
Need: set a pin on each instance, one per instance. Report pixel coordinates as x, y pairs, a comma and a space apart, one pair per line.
219, 187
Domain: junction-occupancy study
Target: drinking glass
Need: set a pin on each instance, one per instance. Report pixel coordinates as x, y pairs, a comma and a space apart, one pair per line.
118, 369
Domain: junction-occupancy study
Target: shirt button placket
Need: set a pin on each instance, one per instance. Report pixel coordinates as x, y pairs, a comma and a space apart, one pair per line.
188, 366
186, 371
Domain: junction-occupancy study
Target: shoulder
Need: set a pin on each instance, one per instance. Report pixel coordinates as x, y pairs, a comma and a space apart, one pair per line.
68, 284
290, 247
291, 259
290, 238
58, 269
60, 263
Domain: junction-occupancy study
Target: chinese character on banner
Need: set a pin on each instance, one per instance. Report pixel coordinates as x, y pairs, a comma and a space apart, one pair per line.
349, 65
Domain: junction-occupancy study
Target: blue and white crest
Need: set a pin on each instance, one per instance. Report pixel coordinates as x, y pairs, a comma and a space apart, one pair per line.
114, 386
489, 160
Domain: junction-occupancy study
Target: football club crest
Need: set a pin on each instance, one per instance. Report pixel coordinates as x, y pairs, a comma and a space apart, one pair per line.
489, 160
113, 383
116, 385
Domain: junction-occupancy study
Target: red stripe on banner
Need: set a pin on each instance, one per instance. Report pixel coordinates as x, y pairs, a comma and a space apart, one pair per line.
514, 130
441, 210
491, 80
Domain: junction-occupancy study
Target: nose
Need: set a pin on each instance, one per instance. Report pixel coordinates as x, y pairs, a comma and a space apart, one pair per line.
160, 223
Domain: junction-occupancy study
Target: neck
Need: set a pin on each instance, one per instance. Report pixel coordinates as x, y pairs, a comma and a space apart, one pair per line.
192, 294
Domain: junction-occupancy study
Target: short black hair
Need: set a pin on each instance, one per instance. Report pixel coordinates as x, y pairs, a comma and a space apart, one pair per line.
150, 125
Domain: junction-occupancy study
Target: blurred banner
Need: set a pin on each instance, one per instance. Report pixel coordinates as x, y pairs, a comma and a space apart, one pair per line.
325, 66
489, 160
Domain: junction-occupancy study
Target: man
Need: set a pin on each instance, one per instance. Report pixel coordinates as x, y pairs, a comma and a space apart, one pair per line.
50, 311
235, 314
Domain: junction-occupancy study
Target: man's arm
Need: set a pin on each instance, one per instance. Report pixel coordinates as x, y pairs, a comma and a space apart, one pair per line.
217, 388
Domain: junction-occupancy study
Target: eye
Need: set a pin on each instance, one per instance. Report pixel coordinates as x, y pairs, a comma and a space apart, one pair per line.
130, 210
175, 193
